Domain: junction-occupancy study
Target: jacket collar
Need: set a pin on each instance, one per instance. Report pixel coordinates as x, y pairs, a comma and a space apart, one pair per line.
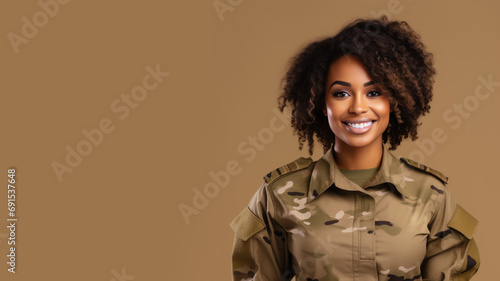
326, 174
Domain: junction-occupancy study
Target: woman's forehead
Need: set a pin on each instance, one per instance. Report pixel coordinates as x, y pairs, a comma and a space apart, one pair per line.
349, 69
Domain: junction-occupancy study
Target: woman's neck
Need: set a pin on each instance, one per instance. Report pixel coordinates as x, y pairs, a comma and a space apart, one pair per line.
357, 158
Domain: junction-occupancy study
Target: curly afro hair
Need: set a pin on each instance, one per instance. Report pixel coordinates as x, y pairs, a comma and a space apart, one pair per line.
395, 58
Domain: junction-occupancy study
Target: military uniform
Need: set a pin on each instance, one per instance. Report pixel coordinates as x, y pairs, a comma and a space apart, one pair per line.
308, 220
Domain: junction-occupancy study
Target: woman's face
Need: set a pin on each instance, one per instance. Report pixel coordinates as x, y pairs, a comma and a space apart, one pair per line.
357, 111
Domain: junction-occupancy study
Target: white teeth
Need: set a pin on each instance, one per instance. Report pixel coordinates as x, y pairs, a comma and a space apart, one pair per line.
360, 125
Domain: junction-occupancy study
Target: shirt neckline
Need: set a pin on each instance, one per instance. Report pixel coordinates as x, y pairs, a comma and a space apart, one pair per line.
326, 174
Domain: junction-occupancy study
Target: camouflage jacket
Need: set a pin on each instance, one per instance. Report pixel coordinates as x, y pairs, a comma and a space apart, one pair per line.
309, 221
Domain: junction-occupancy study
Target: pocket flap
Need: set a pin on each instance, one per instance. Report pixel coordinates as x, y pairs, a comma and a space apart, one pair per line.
246, 224
463, 222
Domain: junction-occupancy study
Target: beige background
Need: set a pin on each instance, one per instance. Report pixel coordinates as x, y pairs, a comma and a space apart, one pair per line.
119, 208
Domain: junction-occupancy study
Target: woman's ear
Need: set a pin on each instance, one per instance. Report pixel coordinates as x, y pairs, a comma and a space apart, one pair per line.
324, 110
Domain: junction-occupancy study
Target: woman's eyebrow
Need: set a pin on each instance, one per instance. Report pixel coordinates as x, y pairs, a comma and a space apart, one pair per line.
343, 83
340, 83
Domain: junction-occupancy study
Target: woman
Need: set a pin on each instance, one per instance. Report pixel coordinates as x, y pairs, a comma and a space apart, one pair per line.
358, 213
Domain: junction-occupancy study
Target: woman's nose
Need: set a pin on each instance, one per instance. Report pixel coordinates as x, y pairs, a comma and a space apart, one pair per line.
358, 105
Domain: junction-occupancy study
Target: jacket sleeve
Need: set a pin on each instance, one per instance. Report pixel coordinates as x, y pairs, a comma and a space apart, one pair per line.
452, 254
260, 249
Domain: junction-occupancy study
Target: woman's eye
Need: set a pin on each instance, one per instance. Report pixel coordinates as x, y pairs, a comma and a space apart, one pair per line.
373, 94
340, 94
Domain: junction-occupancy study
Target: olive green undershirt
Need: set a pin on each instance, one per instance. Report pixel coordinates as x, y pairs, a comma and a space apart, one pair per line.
360, 177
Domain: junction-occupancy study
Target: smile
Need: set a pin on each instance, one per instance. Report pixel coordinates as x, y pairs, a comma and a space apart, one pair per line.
358, 128
360, 125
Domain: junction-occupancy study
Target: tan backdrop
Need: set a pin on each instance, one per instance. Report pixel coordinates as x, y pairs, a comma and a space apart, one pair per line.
118, 114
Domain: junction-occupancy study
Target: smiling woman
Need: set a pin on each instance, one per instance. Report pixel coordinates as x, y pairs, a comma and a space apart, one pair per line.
359, 212
358, 112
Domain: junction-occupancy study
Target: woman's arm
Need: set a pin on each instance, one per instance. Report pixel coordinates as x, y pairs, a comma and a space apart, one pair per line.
452, 253
260, 249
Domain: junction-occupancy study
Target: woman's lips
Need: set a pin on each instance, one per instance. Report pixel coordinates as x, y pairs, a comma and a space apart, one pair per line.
358, 127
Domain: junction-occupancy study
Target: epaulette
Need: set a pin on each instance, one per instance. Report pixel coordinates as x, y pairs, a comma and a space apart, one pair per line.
426, 169
296, 165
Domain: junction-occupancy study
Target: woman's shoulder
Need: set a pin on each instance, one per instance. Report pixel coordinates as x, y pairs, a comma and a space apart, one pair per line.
289, 179
422, 181
288, 169
296, 173
424, 170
